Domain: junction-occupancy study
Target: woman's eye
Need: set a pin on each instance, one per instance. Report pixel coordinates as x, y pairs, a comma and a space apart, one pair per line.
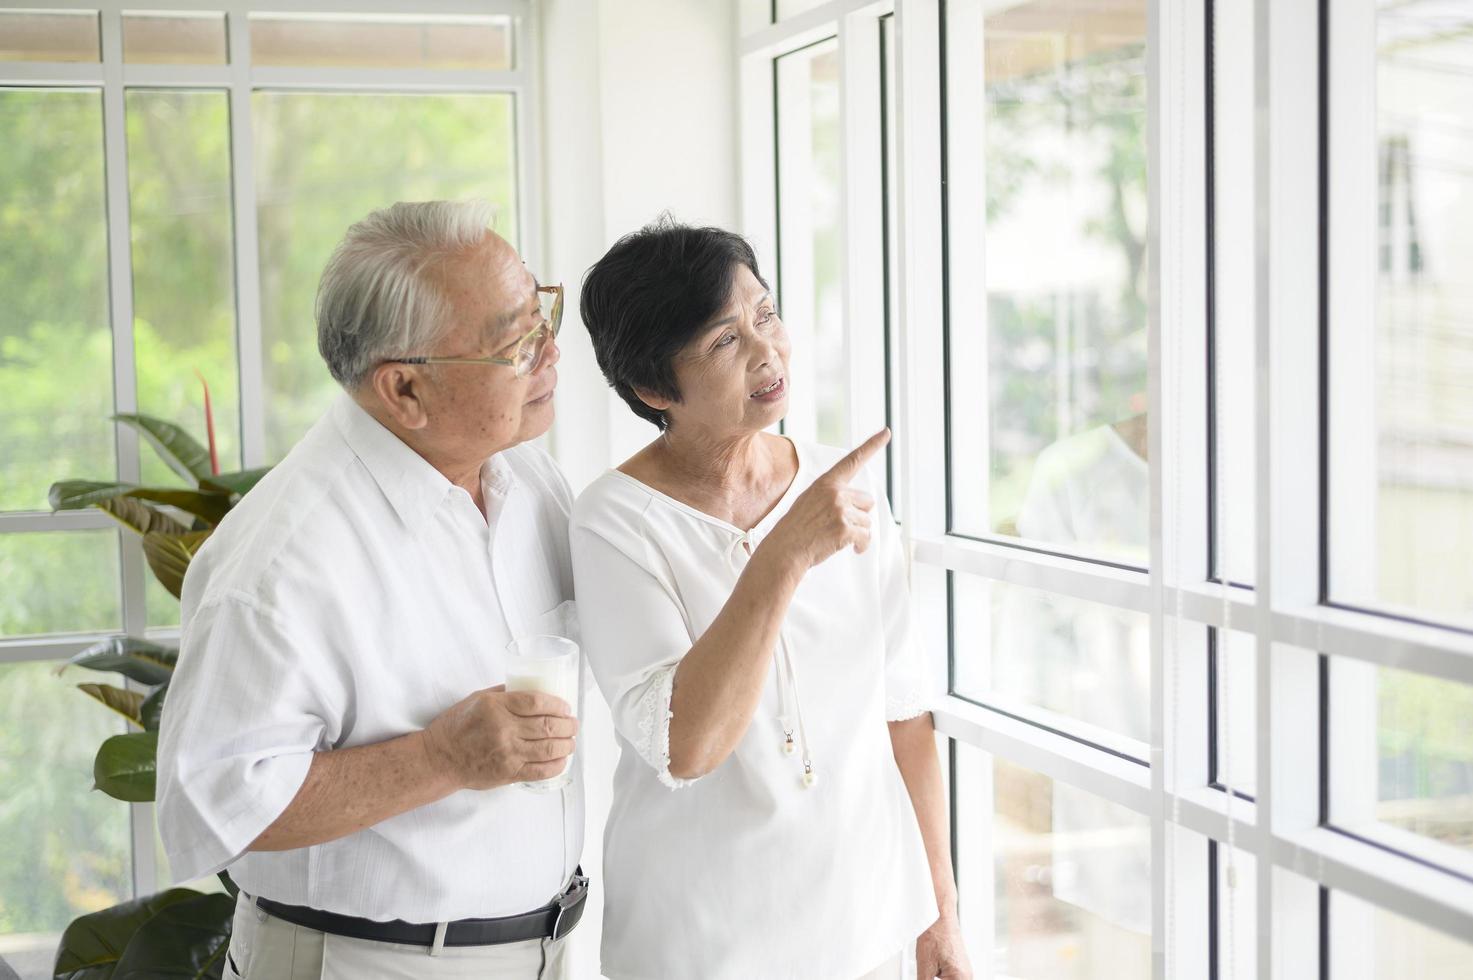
726, 341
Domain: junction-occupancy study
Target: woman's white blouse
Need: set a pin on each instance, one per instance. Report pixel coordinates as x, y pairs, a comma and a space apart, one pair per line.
747, 872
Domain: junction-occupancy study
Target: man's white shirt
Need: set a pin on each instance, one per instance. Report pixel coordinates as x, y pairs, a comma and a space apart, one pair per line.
352, 596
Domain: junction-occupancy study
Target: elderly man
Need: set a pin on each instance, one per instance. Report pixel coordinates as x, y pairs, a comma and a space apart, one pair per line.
336, 735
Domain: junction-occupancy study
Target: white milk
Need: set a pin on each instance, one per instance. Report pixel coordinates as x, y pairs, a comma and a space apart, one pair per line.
555, 675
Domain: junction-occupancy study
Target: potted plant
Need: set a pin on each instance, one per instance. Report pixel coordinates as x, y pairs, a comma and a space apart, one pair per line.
179, 932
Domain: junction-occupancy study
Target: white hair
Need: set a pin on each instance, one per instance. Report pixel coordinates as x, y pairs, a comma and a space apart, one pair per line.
378, 298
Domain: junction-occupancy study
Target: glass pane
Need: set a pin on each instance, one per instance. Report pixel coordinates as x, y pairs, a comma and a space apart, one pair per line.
1083, 661
810, 286
183, 265
1051, 375
1402, 751
889, 122
1370, 943
55, 341
382, 41
1404, 469
1073, 882
323, 161
1233, 382
175, 37
66, 847
59, 582
49, 35
1235, 740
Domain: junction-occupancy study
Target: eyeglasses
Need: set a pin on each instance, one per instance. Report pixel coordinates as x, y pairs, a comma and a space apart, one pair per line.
529, 348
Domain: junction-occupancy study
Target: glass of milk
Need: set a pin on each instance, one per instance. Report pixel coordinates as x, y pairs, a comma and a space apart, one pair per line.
548, 664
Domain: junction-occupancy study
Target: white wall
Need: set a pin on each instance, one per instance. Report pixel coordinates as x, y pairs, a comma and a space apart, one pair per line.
640, 113
639, 116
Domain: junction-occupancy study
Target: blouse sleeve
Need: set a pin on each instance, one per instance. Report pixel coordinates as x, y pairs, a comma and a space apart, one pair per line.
905, 681
634, 637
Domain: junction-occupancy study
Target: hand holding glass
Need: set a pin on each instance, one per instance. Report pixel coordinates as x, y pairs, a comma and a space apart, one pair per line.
547, 664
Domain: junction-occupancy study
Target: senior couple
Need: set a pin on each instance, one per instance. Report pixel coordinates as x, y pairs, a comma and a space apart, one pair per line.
338, 736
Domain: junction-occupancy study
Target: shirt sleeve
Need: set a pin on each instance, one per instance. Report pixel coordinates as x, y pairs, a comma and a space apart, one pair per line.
634, 637
248, 706
905, 676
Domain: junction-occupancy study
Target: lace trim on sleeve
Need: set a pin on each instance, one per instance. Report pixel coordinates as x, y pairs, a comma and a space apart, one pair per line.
905, 706
654, 727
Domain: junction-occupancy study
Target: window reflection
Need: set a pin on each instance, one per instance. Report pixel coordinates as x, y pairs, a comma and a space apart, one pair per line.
1065, 268
1404, 452
1073, 876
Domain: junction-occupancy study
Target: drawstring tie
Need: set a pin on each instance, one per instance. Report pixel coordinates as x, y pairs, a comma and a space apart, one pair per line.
790, 706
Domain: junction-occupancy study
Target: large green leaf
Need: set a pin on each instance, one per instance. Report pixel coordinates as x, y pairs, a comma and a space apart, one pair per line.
121, 501
124, 767
92, 945
151, 711
169, 556
138, 660
239, 482
175, 447
126, 703
186, 939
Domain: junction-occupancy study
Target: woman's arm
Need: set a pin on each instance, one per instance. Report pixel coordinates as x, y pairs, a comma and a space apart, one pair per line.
718, 684
939, 950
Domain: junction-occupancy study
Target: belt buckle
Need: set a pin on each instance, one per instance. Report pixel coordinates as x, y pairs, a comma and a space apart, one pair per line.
569, 899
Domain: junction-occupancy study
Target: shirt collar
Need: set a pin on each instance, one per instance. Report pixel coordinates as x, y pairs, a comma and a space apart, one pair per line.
413, 487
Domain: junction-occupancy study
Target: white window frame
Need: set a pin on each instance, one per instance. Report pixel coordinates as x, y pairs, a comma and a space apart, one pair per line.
238, 79
1297, 857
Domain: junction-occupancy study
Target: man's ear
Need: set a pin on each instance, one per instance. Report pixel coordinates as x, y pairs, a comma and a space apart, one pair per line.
398, 388
658, 402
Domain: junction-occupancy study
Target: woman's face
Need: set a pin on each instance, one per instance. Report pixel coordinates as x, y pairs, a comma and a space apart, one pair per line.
733, 376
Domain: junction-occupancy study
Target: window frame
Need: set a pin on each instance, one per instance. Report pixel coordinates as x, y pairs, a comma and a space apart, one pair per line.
239, 78
1300, 858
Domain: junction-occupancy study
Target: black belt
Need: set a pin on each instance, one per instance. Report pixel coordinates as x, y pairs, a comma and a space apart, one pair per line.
553, 921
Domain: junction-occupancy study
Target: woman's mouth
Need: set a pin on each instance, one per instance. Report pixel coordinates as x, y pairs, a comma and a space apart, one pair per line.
772, 392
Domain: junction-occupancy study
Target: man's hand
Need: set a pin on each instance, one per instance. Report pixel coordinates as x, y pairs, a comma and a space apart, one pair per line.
940, 952
492, 738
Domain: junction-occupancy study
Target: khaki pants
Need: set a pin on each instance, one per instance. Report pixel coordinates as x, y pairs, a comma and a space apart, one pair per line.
263, 947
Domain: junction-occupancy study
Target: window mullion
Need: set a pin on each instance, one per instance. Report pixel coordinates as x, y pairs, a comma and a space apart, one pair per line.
1287, 438
247, 258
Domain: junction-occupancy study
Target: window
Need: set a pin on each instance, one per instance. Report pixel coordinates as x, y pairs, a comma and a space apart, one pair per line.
1047, 229
1072, 879
810, 257
370, 149
1400, 327
166, 212
1370, 943
1116, 327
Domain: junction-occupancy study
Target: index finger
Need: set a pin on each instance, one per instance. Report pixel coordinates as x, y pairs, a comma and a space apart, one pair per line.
529, 704
846, 468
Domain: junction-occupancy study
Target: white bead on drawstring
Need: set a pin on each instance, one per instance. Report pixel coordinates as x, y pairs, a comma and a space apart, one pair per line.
810, 778
788, 747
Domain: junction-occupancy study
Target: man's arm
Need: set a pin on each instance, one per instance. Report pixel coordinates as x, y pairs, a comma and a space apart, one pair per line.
489, 739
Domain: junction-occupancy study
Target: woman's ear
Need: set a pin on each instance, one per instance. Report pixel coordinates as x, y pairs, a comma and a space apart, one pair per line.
658, 402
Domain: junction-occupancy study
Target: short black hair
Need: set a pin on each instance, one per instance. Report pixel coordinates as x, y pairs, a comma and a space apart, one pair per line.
650, 295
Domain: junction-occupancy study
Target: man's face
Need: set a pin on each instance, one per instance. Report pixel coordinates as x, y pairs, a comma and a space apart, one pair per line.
476, 410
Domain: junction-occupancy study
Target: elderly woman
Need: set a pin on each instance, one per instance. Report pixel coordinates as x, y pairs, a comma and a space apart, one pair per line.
778, 809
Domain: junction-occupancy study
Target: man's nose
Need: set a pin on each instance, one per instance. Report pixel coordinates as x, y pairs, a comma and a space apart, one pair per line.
551, 354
